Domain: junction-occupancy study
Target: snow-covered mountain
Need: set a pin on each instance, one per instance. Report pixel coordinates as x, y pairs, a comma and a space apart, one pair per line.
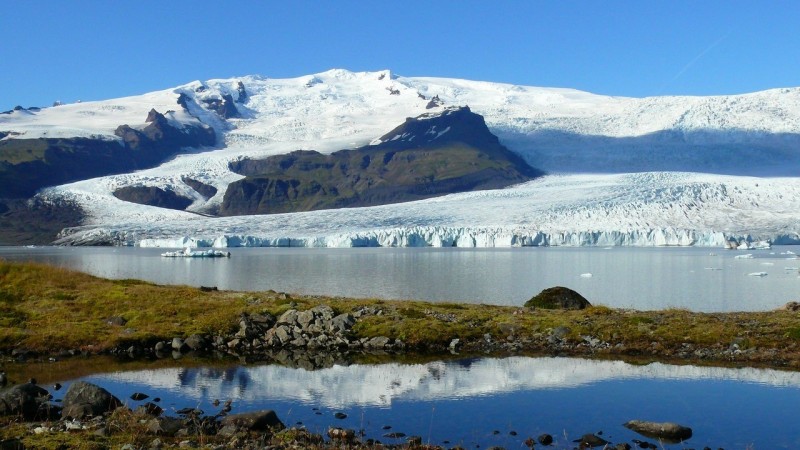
624, 171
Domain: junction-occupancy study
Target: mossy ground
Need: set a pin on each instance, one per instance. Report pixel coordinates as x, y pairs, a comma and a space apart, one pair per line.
47, 309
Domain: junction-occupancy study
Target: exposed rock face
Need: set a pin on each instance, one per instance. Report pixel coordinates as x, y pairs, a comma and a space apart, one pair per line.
85, 399
27, 165
206, 190
558, 297
425, 157
152, 196
225, 106
667, 431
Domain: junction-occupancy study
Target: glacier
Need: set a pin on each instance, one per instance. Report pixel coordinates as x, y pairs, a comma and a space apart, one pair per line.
623, 171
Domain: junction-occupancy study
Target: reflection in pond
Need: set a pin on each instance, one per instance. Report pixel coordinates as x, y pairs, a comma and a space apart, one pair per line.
482, 401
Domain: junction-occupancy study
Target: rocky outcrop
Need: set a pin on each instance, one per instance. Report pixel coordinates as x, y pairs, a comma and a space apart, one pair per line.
27, 165
153, 196
558, 297
206, 190
428, 156
224, 106
310, 339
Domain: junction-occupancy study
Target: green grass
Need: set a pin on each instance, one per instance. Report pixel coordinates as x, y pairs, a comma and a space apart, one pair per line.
50, 309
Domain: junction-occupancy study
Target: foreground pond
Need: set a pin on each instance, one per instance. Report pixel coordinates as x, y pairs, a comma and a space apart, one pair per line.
484, 402
698, 279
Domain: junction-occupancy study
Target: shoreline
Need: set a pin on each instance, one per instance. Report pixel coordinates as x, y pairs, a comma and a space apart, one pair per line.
55, 312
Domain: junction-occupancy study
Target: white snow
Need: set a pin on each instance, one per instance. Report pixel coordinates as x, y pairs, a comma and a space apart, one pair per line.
625, 171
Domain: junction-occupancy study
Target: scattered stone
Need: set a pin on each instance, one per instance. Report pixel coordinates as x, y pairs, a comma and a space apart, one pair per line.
138, 396
116, 321
86, 399
196, 342
414, 440
341, 434
592, 440
340, 415
151, 409
545, 439
164, 426
394, 435
265, 420
558, 297
666, 431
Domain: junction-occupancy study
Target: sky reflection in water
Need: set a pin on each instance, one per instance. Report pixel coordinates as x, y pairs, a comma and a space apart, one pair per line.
481, 401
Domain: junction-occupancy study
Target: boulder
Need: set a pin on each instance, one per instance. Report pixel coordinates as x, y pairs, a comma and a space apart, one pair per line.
196, 342
558, 297
164, 426
255, 421
591, 440
26, 400
666, 431
85, 399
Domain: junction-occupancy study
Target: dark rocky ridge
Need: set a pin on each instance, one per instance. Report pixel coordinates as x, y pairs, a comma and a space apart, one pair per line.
427, 156
27, 165
153, 196
206, 190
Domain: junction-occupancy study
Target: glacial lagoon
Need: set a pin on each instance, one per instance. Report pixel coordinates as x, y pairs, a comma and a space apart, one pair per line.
694, 278
492, 401
480, 402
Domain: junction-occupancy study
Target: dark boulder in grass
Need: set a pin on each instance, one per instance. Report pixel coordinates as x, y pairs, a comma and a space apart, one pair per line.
666, 431
558, 297
255, 421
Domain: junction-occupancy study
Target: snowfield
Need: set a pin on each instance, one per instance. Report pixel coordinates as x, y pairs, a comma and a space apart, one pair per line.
624, 171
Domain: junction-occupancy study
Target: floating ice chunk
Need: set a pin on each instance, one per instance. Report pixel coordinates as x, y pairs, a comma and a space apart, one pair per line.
791, 268
767, 264
757, 274
712, 268
189, 253
586, 275
747, 256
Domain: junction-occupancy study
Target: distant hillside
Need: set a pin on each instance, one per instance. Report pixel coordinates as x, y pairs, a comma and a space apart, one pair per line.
431, 155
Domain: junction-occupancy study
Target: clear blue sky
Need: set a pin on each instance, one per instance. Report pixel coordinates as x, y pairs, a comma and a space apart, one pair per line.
96, 49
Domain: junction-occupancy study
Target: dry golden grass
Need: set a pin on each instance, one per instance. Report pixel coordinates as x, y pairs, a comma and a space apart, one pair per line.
49, 309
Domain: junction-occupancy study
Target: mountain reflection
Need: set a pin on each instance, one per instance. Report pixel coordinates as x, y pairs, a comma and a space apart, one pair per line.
348, 386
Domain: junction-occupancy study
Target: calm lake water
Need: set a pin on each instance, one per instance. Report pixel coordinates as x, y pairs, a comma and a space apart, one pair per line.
698, 279
481, 402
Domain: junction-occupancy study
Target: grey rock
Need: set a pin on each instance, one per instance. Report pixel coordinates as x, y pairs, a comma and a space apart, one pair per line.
341, 434
592, 440
324, 311
196, 342
255, 421
116, 321
150, 409
305, 318
288, 318
377, 343
667, 431
342, 322
164, 426
283, 334
178, 345
545, 439
560, 332
84, 399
